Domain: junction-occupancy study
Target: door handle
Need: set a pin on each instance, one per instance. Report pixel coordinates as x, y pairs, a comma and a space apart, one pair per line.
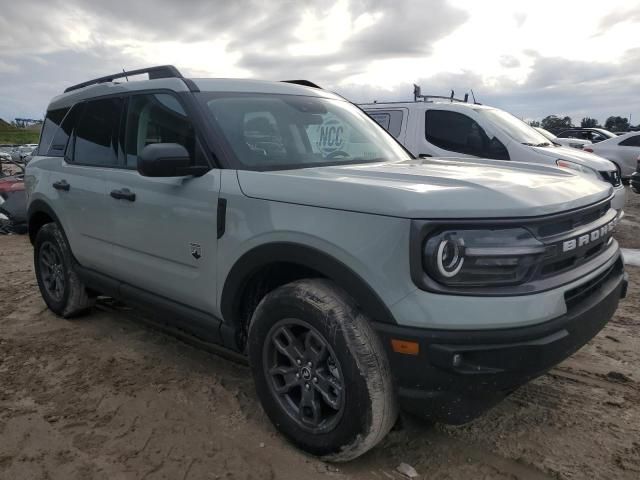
124, 194
424, 155
61, 185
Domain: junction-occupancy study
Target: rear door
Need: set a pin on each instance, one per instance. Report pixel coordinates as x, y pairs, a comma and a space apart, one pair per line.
80, 181
165, 230
629, 152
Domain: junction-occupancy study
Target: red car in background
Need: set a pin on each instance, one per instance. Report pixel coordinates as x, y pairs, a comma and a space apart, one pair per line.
13, 199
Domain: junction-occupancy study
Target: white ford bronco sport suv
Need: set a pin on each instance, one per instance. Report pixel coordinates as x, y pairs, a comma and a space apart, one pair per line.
432, 126
279, 221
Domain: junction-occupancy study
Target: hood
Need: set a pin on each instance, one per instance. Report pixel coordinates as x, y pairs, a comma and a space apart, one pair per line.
430, 188
578, 156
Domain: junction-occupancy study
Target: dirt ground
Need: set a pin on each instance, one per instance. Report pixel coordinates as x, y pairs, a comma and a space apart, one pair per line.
106, 396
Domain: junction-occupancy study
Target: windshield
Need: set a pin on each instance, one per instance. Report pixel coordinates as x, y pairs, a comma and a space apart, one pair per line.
515, 128
546, 133
606, 133
270, 132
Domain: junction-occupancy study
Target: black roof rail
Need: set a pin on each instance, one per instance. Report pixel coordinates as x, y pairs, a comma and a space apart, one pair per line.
305, 83
162, 71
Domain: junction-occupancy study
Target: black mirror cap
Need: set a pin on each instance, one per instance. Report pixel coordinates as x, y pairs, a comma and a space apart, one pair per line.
164, 160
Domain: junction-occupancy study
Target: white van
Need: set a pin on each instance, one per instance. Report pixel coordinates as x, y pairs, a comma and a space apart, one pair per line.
444, 127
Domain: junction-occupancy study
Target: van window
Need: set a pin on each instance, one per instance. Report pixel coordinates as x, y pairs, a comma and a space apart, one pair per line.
96, 135
50, 127
391, 120
156, 118
457, 132
383, 118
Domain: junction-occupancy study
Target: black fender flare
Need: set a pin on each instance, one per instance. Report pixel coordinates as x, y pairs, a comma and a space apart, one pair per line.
40, 206
253, 260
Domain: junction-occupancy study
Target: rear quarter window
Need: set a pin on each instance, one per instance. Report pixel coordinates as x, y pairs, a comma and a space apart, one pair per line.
633, 141
50, 127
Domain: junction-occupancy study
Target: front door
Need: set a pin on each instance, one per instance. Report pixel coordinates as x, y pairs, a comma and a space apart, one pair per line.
165, 228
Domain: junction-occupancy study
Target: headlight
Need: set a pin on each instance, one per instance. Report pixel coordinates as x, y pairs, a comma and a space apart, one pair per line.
481, 258
577, 167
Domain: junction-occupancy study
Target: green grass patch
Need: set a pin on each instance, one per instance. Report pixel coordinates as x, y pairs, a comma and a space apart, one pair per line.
19, 136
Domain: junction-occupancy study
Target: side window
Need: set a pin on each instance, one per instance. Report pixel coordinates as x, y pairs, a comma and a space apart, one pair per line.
633, 141
391, 120
95, 140
596, 137
157, 118
455, 132
51, 123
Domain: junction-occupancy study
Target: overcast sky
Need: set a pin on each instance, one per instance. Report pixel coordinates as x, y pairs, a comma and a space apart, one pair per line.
532, 58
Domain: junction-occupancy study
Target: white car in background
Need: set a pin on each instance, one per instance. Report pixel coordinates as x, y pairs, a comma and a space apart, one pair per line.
623, 150
565, 142
448, 127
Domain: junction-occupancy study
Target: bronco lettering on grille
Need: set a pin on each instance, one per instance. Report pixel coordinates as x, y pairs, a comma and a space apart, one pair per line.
588, 238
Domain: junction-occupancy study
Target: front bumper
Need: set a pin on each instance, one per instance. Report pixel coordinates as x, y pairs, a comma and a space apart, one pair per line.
458, 374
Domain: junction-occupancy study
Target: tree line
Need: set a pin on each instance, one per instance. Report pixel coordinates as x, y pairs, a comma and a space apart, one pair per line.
556, 124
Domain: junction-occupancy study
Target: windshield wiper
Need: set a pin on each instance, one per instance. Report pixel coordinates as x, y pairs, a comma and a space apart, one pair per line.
544, 144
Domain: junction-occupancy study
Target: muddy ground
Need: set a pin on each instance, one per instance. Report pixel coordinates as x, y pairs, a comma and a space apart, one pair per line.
106, 396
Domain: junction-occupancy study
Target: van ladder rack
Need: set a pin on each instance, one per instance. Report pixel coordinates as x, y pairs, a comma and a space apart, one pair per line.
163, 71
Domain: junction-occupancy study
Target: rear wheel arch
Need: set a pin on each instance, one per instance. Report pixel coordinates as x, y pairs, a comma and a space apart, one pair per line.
39, 214
290, 262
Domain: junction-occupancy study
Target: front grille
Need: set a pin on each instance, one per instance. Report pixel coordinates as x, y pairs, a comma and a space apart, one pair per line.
613, 177
574, 297
570, 222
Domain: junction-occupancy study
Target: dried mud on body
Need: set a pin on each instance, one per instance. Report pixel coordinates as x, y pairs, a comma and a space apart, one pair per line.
106, 396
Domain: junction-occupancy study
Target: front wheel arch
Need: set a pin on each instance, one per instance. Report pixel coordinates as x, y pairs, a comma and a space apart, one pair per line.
305, 258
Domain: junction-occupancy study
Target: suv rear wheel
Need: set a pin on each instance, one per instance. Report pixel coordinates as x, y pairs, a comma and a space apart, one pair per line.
61, 288
320, 370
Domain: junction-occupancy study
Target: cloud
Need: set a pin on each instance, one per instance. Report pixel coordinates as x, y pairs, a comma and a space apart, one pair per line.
609, 21
509, 61
365, 49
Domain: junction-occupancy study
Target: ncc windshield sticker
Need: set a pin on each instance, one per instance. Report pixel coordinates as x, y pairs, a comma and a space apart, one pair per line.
330, 136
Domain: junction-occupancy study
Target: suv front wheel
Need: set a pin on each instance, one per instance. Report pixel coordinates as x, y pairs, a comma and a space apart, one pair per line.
320, 370
61, 288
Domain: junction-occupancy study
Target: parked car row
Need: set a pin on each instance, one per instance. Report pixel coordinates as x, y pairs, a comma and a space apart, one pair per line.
623, 150
279, 221
567, 142
18, 153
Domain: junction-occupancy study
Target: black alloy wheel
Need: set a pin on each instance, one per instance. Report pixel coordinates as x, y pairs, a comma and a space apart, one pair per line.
52, 270
304, 375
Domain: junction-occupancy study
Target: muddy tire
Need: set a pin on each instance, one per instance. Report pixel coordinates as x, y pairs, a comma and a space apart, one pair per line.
61, 288
320, 370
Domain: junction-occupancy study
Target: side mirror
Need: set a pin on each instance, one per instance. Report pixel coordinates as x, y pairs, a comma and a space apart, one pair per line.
167, 160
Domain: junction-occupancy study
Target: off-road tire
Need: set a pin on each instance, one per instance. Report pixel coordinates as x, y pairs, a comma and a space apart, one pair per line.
74, 298
369, 407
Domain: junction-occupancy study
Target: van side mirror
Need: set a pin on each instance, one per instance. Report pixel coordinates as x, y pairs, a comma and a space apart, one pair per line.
167, 160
